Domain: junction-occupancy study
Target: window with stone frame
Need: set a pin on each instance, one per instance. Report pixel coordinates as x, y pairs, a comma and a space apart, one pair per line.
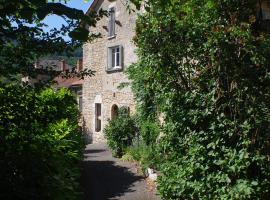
115, 58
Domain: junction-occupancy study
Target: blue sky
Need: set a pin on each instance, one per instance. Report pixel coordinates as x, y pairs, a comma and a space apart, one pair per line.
56, 21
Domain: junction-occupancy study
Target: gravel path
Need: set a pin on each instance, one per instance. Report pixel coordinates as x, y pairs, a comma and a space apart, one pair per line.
107, 178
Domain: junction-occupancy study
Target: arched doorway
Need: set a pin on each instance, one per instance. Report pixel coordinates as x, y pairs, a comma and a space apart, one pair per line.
114, 112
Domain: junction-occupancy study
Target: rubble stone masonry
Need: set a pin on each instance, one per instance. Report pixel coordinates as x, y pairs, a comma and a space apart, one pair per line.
103, 87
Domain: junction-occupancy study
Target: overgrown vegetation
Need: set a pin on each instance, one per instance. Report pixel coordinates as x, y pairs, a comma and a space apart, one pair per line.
204, 66
41, 144
133, 139
120, 132
144, 155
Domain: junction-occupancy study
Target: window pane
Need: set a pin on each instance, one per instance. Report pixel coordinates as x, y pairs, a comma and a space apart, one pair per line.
113, 57
118, 59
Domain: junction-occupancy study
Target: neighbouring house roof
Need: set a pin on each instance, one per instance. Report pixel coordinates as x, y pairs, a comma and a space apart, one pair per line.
61, 65
68, 83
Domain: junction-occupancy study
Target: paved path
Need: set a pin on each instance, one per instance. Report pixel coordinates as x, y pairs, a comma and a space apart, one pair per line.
107, 178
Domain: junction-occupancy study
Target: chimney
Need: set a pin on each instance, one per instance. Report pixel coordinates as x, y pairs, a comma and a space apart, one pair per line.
63, 66
79, 64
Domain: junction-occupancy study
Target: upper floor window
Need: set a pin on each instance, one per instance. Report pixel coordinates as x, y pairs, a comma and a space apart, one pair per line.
115, 58
111, 24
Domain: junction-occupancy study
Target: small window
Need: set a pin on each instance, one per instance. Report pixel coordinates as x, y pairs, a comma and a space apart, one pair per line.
115, 58
111, 23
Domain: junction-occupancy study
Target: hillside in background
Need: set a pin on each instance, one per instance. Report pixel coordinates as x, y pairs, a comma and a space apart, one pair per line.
70, 58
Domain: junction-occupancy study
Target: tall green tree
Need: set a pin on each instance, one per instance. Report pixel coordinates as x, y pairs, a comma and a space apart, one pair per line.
40, 141
204, 64
23, 39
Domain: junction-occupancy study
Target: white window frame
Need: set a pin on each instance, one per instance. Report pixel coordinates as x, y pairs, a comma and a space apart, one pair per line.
115, 58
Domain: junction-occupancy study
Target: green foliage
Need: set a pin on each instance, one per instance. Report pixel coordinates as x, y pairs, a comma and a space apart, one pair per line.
40, 144
149, 131
205, 66
146, 155
120, 132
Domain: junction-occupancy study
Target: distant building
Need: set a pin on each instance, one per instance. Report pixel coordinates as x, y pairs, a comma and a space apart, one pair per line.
74, 83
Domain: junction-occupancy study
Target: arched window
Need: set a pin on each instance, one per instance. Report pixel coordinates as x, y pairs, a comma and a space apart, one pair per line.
114, 112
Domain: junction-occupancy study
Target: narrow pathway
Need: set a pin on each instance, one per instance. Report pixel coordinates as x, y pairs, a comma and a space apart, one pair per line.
107, 178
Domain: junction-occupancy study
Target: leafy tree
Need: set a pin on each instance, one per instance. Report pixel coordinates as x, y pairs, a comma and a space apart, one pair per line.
22, 36
40, 141
204, 65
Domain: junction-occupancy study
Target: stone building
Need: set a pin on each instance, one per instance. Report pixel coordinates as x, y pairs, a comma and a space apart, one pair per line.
108, 56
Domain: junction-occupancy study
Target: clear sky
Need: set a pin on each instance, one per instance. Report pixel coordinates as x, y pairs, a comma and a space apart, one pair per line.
55, 21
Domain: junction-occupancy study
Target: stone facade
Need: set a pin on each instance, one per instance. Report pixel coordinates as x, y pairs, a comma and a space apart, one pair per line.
103, 87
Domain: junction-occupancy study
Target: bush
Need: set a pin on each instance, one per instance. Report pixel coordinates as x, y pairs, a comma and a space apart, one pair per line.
120, 132
40, 144
149, 131
146, 155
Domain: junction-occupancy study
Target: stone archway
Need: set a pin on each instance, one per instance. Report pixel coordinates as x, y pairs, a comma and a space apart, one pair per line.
114, 111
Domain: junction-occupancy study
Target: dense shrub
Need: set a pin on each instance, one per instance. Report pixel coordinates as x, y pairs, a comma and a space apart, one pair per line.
40, 144
205, 66
147, 156
149, 131
120, 132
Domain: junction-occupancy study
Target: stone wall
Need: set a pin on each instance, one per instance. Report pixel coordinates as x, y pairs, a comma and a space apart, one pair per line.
102, 88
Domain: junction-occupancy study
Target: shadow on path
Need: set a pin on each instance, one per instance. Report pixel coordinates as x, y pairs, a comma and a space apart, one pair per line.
104, 179
94, 151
